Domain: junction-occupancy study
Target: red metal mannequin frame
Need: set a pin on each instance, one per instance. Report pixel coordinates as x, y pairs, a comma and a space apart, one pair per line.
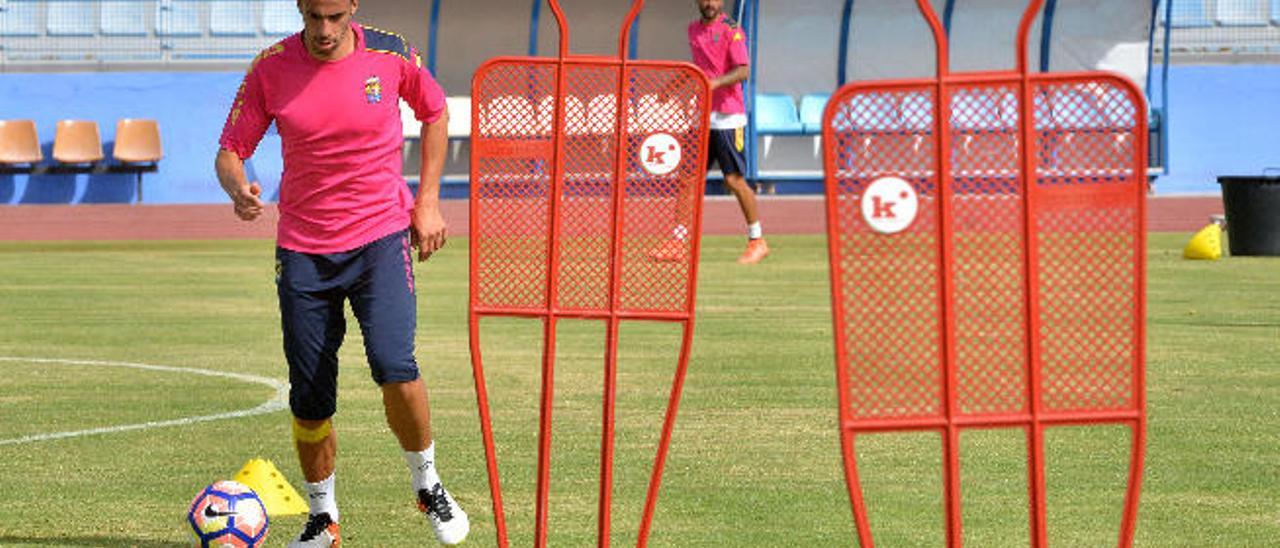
623, 265
1044, 194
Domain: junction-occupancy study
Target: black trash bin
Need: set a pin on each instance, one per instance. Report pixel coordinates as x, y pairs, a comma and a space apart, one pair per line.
1253, 213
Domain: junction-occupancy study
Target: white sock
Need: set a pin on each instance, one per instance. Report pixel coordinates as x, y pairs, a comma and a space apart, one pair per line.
422, 467
321, 497
754, 232
681, 233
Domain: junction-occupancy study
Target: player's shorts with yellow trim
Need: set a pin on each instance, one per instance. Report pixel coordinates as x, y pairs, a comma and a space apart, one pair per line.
377, 279
726, 148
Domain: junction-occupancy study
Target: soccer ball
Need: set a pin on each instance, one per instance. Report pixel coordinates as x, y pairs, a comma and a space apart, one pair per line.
228, 514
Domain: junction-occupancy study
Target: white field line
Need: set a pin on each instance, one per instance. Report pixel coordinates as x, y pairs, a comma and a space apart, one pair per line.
277, 402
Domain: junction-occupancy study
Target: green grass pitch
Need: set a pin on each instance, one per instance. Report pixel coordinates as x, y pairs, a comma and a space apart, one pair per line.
755, 456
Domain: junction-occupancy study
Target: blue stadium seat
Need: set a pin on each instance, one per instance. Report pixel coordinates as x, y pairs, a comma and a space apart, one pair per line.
1190, 14
179, 18
1275, 12
811, 107
66, 18
281, 17
1241, 13
776, 114
872, 112
20, 18
124, 18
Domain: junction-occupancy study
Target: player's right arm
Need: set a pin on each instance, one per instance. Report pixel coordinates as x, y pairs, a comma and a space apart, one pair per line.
246, 123
244, 194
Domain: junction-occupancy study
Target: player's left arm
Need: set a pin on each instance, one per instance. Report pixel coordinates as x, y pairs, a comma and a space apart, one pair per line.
739, 59
429, 229
738, 74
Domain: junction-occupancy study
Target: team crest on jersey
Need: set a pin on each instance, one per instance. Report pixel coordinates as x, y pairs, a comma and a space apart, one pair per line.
373, 90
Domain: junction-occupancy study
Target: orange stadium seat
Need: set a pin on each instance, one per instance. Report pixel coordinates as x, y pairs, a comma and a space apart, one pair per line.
137, 141
77, 142
19, 144
137, 148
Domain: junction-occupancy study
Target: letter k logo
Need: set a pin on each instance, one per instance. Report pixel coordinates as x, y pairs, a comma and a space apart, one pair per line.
881, 209
889, 205
654, 156
659, 154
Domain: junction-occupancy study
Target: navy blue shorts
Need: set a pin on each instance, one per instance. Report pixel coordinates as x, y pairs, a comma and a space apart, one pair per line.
726, 148
378, 280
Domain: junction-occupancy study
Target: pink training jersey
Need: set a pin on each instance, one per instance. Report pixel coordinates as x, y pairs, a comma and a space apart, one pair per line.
339, 125
719, 47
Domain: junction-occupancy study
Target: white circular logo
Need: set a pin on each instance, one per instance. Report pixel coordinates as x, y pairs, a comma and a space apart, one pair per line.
889, 205
660, 153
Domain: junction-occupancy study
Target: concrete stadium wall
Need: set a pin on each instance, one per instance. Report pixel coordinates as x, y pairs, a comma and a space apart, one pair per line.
190, 108
471, 32
1223, 120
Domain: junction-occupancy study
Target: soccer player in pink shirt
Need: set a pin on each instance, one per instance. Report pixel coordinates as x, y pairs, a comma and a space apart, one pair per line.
719, 48
347, 225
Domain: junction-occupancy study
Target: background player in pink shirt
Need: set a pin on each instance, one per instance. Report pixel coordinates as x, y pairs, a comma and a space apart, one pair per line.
347, 225
719, 48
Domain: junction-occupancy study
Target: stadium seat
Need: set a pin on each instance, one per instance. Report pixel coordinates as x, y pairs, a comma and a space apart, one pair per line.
459, 123
577, 121
70, 19
922, 104
1275, 12
137, 148
811, 107
1190, 14
872, 112
575, 116
545, 115
137, 141
280, 17
124, 18
232, 18
77, 142
459, 116
410, 127
1241, 13
600, 114
980, 110
776, 114
19, 145
179, 18
507, 116
20, 18
652, 112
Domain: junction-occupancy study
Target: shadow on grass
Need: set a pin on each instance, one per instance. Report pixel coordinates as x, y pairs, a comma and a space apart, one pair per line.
86, 541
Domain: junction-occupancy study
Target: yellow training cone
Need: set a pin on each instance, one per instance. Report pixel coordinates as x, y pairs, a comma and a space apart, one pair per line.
1206, 244
277, 495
